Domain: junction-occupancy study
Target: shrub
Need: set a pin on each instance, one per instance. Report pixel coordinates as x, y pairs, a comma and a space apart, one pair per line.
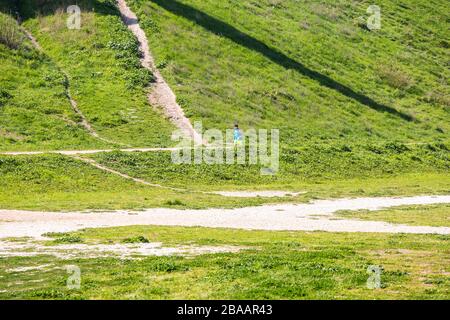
139, 239
175, 202
10, 34
396, 78
68, 239
4, 97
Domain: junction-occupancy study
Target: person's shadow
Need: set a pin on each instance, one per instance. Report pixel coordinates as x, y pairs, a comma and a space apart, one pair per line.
225, 30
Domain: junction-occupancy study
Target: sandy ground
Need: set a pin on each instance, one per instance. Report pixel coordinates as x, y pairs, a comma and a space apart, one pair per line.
255, 194
120, 250
161, 94
314, 216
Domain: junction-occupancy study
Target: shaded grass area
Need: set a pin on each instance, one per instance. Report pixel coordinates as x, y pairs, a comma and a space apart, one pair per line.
315, 72
104, 76
433, 215
277, 265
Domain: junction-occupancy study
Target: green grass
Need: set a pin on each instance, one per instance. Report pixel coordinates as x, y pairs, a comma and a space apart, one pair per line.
275, 265
332, 145
347, 102
299, 168
433, 215
104, 77
34, 110
55, 182
306, 68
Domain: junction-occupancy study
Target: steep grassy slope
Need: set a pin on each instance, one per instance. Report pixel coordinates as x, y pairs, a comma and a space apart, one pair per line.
34, 110
104, 74
309, 68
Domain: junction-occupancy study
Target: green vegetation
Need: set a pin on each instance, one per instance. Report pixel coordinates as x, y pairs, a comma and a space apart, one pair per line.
310, 69
342, 96
272, 265
55, 182
298, 167
433, 215
104, 77
360, 113
34, 110
10, 33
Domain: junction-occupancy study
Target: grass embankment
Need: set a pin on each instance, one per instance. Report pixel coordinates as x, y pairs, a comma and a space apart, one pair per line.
311, 69
435, 215
276, 265
34, 110
54, 182
105, 78
334, 143
299, 168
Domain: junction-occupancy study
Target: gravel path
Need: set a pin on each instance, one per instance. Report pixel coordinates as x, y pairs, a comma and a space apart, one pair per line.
255, 194
317, 215
121, 250
161, 94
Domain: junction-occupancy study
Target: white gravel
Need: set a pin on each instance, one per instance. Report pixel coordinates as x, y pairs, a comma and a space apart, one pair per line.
317, 215
120, 250
255, 194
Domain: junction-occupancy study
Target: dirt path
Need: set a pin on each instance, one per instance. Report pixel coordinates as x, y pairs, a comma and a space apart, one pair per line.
161, 94
76, 152
314, 216
123, 175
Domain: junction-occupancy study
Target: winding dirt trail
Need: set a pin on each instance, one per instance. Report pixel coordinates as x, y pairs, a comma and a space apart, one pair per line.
313, 216
123, 175
161, 94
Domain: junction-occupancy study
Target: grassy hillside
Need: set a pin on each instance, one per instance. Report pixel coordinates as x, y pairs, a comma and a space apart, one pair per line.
361, 114
309, 68
350, 103
34, 110
105, 78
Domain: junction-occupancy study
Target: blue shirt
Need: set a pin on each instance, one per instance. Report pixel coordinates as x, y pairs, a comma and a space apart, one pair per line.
237, 134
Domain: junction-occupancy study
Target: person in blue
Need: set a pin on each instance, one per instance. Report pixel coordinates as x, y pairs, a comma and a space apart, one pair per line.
237, 135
